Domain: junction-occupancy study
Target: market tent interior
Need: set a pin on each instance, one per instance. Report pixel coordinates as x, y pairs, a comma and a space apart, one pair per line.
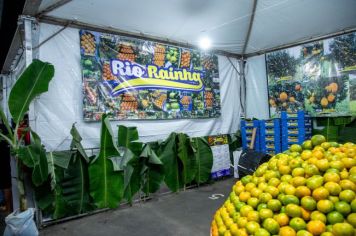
238, 29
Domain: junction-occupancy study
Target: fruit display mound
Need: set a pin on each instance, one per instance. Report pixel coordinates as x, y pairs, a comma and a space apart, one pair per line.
307, 190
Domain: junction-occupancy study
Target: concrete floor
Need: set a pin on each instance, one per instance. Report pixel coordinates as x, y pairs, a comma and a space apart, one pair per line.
184, 214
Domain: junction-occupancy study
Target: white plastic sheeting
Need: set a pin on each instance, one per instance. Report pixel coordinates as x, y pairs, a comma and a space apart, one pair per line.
256, 88
61, 106
277, 22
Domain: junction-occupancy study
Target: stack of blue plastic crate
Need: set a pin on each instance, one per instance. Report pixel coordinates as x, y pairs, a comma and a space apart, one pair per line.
246, 133
296, 128
270, 136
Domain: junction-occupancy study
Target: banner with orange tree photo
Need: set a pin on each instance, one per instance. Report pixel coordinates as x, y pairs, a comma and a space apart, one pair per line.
318, 77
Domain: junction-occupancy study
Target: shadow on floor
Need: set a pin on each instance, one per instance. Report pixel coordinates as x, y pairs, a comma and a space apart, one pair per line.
187, 213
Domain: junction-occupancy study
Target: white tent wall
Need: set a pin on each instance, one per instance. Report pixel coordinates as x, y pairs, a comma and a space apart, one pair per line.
256, 88
56, 110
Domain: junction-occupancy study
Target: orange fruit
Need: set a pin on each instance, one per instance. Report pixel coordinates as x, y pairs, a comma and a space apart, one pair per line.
253, 216
308, 203
303, 233
297, 224
242, 232
272, 190
282, 219
317, 215
249, 186
305, 214
265, 197
244, 196
317, 154
274, 182
289, 189
251, 227
271, 225
331, 177
265, 213
311, 170
287, 231
333, 87
317, 139
347, 185
241, 222
306, 154
353, 205
293, 210
314, 182
343, 229
333, 188
348, 162
256, 192
296, 148
245, 210
307, 145
337, 165
298, 172
325, 145
347, 196
262, 232
238, 189
253, 202
284, 169
288, 199
324, 102
322, 164
334, 217
325, 206
352, 219
316, 227
320, 193
298, 181
302, 191
274, 205
343, 207
283, 96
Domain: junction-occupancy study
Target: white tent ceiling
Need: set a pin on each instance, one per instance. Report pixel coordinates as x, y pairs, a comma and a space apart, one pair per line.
226, 22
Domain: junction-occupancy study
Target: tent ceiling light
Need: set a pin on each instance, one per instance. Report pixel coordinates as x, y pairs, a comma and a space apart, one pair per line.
204, 43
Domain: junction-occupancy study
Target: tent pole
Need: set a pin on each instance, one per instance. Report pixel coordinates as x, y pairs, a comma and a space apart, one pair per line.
247, 39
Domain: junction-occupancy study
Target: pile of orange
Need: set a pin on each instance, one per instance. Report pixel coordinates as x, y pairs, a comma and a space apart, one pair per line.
308, 190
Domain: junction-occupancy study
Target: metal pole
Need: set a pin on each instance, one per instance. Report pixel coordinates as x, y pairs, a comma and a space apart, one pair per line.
247, 39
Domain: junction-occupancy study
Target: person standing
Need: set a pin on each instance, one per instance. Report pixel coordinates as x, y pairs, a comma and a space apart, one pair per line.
5, 170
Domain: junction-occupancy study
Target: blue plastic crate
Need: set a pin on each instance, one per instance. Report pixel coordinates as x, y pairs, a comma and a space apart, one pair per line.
270, 136
295, 128
246, 133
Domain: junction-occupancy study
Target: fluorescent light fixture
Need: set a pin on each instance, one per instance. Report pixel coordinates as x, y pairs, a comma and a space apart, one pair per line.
204, 43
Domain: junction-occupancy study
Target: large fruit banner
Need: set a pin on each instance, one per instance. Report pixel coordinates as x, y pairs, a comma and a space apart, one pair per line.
319, 77
129, 78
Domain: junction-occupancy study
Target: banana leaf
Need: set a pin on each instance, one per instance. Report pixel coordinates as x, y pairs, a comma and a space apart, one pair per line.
186, 156
34, 156
128, 163
106, 185
76, 143
33, 81
171, 163
128, 137
204, 159
75, 185
152, 170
